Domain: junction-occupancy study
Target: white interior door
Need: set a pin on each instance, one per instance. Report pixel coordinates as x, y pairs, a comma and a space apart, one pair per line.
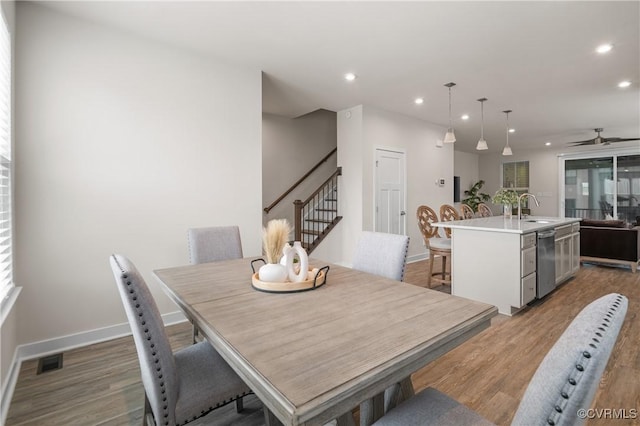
390, 178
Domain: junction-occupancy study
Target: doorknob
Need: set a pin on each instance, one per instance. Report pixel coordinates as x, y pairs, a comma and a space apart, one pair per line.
402, 213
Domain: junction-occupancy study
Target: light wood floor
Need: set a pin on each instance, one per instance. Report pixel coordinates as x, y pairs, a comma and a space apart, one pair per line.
100, 384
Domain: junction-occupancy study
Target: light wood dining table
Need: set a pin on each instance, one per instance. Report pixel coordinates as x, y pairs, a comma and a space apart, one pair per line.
313, 356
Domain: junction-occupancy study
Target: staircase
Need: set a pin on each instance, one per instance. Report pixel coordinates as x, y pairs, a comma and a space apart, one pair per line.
316, 216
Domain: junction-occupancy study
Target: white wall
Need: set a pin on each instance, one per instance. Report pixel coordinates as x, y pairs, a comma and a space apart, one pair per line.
359, 134
8, 323
290, 148
465, 165
543, 177
121, 145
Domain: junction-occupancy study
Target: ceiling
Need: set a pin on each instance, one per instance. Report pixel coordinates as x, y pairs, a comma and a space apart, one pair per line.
535, 58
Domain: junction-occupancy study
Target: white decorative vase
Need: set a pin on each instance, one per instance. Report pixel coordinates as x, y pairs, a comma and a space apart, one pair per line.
296, 273
272, 273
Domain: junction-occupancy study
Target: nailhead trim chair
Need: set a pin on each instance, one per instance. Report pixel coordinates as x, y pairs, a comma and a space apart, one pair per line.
213, 244
382, 254
180, 387
565, 382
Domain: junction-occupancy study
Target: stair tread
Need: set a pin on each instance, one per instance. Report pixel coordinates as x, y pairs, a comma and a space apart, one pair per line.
319, 220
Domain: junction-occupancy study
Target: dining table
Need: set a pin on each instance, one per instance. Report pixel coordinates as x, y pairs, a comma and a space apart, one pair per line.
313, 356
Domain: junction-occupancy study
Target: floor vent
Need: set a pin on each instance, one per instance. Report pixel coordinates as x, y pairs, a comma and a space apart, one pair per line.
49, 363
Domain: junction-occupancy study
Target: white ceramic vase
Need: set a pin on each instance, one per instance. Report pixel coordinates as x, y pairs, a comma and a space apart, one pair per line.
296, 273
272, 273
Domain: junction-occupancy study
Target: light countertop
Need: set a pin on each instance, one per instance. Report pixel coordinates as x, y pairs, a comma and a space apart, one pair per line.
513, 225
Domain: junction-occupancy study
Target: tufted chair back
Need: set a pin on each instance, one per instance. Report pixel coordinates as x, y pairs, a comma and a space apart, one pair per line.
157, 364
561, 388
382, 254
214, 243
568, 377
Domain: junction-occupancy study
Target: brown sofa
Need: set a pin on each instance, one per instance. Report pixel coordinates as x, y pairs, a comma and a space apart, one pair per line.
610, 241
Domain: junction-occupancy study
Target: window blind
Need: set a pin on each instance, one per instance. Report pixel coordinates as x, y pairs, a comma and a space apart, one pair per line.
6, 274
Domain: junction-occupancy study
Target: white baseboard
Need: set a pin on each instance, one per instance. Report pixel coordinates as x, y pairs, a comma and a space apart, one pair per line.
418, 257
85, 338
8, 387
62, 344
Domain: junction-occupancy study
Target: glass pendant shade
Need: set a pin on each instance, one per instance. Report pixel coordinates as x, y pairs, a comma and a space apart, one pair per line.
507, 149
439, 143
450, 137
482, 144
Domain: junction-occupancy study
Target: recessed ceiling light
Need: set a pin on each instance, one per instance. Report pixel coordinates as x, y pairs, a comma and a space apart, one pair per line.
465, 116
624, 84
419, 101
350, 76
512, 130
604, 48
547, 143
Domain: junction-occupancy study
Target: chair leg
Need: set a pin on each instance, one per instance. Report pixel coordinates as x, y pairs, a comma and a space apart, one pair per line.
239, 405
146, 411
444, 267
431, 260
195, 334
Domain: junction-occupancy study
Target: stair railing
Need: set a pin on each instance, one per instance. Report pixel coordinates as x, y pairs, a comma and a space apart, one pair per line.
299, 181
318, 214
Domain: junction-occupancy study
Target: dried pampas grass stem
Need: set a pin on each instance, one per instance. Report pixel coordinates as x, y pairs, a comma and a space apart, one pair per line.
274, 237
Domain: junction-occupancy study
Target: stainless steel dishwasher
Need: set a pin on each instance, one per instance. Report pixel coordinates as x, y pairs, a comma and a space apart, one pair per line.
546, 263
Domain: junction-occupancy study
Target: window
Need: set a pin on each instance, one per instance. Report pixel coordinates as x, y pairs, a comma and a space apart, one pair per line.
6, 274
602, 186
516, 176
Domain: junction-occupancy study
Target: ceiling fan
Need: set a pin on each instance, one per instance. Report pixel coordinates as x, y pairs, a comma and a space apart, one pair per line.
599, 140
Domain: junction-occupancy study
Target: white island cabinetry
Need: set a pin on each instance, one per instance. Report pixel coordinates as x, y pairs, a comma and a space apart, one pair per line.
494, 259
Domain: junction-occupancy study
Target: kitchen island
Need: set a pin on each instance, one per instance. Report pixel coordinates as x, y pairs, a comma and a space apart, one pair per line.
500, 261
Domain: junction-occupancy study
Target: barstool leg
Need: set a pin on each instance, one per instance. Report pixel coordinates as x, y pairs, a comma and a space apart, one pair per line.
431, 260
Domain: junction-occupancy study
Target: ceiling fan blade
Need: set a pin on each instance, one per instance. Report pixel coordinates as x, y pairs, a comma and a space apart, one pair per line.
587, 142
620, 139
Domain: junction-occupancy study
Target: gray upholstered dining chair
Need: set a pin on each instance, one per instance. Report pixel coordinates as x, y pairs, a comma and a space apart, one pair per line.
182, 386
382, 254
212, 244
564, 383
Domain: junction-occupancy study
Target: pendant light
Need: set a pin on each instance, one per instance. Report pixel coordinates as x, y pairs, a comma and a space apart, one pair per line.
507, 148
482, 144
449, 137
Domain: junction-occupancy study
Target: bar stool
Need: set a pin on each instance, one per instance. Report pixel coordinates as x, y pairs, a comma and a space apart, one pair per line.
466, 212
437, 245
448, 213
484, 210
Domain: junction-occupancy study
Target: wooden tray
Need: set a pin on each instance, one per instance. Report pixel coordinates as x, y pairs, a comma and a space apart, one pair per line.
312, 282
